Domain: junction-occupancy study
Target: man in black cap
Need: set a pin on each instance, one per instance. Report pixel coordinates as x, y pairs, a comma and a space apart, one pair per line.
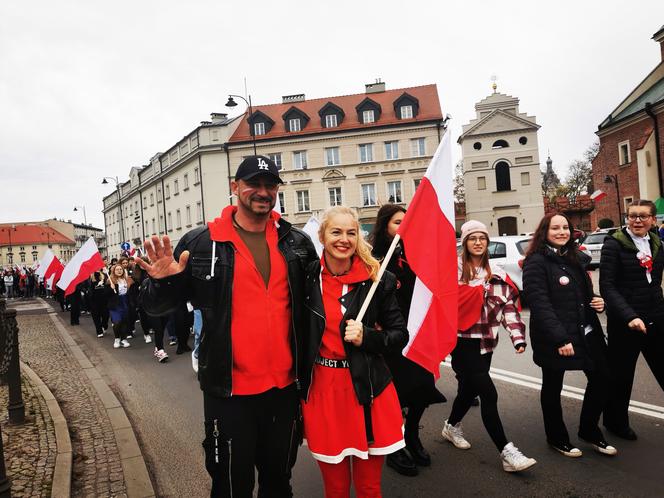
245, 272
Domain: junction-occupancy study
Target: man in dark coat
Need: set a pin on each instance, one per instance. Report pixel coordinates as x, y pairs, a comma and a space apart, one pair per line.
631, 283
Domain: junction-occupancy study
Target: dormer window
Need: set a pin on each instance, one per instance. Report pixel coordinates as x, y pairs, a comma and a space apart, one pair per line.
368, 111
261, 123
406, 106
331, 115
294, 119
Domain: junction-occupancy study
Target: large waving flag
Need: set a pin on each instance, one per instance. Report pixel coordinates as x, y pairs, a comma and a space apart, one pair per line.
84, 263
429, 238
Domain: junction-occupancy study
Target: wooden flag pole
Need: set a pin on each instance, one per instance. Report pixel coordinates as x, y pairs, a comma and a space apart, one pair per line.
383, 265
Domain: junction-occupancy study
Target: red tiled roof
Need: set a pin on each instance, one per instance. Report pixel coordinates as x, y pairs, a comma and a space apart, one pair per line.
31, 235
427, 95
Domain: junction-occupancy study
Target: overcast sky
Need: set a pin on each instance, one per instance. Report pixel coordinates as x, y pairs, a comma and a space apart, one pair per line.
89, 89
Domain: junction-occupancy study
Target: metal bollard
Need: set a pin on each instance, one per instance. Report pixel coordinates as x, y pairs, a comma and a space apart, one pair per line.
9, 363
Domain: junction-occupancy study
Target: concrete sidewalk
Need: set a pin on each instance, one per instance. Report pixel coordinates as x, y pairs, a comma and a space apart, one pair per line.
107, 460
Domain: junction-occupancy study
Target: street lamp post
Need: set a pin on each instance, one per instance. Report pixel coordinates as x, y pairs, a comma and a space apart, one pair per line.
232, 103
117, 188
614, 179
85, 219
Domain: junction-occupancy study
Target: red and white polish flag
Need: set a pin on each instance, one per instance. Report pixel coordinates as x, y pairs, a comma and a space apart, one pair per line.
50, 268
430, 242
598, 195
84, 263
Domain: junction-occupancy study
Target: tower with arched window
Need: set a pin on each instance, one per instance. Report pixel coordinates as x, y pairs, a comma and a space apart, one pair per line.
501, 170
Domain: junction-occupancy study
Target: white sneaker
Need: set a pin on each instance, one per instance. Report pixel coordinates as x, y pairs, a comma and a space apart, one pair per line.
125, 343
100, 334
148, 339
161, 355
194, 362
116, 343
454, 434
515, 461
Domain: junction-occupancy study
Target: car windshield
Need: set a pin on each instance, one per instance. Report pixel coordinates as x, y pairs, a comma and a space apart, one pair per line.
596, 238
522, 246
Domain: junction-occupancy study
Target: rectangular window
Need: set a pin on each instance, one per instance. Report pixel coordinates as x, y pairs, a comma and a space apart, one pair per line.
623, 151
187, 215
174, 156
276, 157
406, 111
168, 191
178, 219
481, 183
22, 257
394, 192
154, 227
147, 229
525, 178
145, 202
332, 156
300, 159
366, 153
161, 223
151, 199
294, 124
158, 194
176, 187
197, 176
259, 128
170, 222
34, 248
391, 150
417, 147
34, 256
194, 142
302, 200
185, 181
368, 194
335, 196
368, 116
199, 212
282, 203
164, 161
331, 121
184, 149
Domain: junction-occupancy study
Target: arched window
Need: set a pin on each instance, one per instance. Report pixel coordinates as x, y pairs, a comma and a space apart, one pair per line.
500, 144
503, 177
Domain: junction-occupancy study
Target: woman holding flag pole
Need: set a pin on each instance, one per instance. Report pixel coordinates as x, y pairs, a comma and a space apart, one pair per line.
351, 411
487, 299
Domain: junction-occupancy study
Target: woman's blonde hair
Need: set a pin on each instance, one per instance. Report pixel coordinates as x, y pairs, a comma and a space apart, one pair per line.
363, 249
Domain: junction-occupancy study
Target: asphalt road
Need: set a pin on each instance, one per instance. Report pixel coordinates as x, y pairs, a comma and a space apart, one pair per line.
164, 404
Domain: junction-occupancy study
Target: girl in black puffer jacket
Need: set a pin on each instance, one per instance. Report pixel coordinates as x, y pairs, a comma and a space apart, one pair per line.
565, 331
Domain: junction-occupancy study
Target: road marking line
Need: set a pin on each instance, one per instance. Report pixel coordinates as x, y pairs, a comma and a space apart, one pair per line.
568, 391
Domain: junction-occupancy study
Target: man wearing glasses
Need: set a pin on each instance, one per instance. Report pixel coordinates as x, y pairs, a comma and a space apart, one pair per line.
631, 284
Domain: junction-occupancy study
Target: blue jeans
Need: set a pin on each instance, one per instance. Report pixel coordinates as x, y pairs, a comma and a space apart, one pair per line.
198, 326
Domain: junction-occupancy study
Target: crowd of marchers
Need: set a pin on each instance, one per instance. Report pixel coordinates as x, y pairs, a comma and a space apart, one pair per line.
281, 356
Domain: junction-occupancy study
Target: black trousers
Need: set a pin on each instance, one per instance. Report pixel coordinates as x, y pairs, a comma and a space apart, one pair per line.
244, 433
472, 372
624, 348
99, 312
74, 307
594, 400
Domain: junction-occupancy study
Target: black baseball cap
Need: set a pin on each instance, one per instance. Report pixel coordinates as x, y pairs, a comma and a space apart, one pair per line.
257, 165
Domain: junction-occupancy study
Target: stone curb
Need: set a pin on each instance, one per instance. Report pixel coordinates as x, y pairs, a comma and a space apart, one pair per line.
134, 468
61, 486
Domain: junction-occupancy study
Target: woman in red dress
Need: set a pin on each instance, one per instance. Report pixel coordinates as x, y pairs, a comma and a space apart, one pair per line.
352, 416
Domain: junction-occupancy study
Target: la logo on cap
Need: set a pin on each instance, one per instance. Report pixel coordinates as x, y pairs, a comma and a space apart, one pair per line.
262, 164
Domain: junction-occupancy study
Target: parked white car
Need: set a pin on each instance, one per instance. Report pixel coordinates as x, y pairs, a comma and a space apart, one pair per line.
592, 245
507, 252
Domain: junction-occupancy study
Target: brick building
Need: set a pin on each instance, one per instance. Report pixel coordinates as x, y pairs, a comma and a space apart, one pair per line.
632, 146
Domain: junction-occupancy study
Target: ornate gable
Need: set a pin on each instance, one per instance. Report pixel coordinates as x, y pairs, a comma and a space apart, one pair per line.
499, 121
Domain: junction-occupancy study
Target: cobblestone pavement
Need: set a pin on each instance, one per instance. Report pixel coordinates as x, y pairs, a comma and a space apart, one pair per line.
30, 448
96, 470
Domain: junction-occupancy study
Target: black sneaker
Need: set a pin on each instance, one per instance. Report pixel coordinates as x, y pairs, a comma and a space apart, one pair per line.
600, 445
402, 463
566, 449
417, 452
